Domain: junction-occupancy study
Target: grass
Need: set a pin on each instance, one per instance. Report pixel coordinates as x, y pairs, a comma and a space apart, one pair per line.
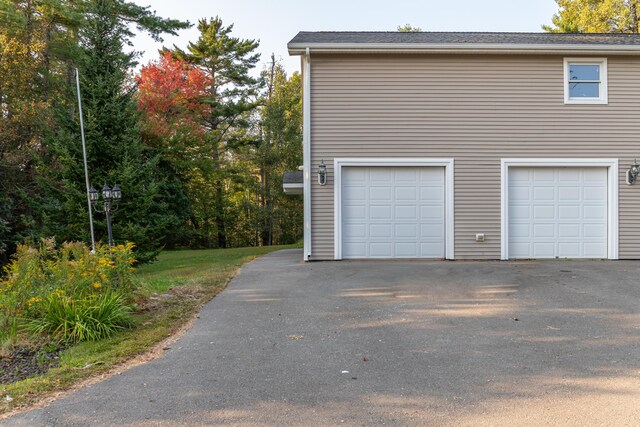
172, 289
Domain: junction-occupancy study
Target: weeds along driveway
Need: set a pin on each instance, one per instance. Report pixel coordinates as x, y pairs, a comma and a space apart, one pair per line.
396, 343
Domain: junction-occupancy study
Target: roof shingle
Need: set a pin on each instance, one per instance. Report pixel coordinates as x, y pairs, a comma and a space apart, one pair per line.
292, 177
462, 38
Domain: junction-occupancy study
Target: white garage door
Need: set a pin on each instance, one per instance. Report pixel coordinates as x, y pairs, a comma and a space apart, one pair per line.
557, 212
393, 212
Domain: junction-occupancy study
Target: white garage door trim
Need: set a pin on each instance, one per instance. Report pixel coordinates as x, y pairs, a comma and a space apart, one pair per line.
612, 195
338, 163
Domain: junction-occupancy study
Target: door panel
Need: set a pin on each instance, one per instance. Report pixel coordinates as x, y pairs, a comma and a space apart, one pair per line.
557, 212
393, 212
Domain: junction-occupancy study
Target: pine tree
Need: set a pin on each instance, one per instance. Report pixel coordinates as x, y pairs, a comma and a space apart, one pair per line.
154, 204
232, 92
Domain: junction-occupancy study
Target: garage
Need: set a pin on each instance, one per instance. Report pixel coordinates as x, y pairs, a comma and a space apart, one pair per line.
392, 212
558, 212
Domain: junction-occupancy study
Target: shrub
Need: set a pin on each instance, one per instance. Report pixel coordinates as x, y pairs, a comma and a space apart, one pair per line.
89, 319
42, 279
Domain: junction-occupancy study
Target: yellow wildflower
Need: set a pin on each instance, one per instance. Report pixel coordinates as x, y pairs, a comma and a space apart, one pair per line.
105, 262
96, 285
33, 300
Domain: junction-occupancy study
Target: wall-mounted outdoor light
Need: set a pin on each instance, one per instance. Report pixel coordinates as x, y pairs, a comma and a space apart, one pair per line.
632, 173
109, 196
322, 173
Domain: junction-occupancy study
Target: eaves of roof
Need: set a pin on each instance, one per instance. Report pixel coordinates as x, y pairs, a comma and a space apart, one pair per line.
497, 43
300, 49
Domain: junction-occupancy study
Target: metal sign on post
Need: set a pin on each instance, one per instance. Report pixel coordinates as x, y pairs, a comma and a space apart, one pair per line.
86, 168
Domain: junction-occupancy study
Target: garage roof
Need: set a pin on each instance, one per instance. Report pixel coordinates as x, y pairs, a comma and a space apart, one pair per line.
442, 42
292, 177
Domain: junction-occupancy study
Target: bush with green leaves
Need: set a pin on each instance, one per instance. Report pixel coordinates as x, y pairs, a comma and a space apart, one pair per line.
68, 292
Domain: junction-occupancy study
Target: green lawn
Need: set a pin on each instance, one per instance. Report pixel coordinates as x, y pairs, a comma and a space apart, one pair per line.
196, 267
172, 289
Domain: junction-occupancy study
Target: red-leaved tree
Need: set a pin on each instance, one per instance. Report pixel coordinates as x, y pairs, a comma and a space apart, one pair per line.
170, 96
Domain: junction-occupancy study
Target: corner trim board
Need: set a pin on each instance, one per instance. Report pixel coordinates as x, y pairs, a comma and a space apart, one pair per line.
306, 155
612, 195
447, 163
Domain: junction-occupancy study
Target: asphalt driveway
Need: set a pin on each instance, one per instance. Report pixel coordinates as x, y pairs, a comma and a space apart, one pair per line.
395, 343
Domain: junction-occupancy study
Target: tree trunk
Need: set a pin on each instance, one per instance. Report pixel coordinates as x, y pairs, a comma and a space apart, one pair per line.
267, 203
266, 234
47, 64
219, 215
267, 186
28, 27
633, 4
263, 203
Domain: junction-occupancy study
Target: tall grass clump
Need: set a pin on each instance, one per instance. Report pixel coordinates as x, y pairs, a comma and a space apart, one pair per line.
68, 293
88, 319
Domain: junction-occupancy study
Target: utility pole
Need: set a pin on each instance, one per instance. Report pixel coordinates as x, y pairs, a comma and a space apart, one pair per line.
86, 168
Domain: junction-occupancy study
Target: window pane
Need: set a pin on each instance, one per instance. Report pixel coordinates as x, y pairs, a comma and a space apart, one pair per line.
584, 90
584, 72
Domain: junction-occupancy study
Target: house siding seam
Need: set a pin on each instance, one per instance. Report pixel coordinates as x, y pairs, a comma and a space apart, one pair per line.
476, 109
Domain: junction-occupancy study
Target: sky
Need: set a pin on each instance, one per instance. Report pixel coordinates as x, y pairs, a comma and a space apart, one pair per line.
275, 22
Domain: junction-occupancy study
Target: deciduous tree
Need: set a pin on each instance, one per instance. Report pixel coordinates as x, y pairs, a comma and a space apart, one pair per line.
24, 116
171, 96
407, 28
595, 16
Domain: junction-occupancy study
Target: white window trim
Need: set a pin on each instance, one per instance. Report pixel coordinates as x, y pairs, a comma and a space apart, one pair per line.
604, 93
612, 195
447, 163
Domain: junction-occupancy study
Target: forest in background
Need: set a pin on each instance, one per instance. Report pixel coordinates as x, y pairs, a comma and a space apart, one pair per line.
197, 140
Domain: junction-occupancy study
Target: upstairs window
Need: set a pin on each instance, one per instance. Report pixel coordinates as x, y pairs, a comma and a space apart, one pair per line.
585, 81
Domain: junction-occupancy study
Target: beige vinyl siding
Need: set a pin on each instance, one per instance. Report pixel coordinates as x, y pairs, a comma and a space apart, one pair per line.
476, 109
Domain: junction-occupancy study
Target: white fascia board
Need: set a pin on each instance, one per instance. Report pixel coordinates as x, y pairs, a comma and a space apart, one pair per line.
486, 48
293, 189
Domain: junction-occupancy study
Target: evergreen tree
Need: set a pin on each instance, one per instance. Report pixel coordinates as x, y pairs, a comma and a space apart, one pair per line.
171, 94
232, 93
261, 213
154, 204
208, 174
279, 150
24, 116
